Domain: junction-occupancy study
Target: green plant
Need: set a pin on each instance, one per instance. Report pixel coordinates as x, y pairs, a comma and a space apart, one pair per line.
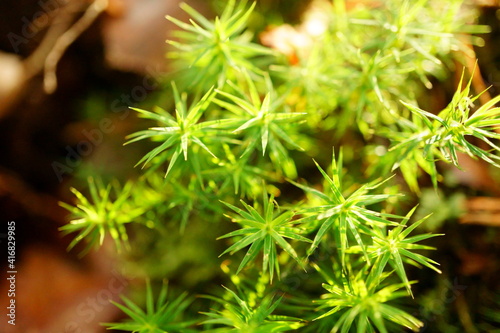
365, 302
251, 123
262, 122
214, 51
159, 317
342, 213
264, 231
240, 315
431, 137
107, 212
179, 133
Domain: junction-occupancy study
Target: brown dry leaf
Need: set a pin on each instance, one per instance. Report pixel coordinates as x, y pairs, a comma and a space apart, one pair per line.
55, 295
475, 174
483, 211
487, 3
287, 40
353, 4
116, 8
473, 263
295, 41
134, 33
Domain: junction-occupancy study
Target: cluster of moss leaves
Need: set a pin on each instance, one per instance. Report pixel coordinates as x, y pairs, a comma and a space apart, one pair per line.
316, 243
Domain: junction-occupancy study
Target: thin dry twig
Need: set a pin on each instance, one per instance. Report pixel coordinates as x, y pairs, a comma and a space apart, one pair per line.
62, 18
66, 39
61, 32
